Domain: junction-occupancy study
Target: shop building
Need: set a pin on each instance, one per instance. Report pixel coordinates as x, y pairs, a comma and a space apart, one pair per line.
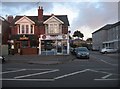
42, 34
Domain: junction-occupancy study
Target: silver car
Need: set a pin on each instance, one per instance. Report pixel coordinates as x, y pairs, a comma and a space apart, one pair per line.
82, 52
108, 50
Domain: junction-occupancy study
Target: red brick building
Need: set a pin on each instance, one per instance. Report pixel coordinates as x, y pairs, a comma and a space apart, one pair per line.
42, 34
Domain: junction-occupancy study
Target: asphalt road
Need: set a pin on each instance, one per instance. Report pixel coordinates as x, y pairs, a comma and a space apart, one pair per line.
99, 71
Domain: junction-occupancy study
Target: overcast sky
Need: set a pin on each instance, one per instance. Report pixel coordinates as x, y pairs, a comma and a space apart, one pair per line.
86, 17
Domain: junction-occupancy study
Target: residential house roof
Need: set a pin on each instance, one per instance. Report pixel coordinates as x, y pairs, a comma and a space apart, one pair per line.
63, 18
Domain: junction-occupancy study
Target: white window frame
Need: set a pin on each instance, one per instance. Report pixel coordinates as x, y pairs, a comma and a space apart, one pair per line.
58, 29
29, 30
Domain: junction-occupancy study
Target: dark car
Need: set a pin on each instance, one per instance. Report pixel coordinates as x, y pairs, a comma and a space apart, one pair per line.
82, 52
73, 51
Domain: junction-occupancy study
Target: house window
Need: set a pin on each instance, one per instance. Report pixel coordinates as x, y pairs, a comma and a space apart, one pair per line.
53, 29
27, 29
31, 29
23, 29
19, 29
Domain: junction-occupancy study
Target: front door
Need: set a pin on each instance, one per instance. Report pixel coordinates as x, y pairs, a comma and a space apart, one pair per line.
59, 47
17, 47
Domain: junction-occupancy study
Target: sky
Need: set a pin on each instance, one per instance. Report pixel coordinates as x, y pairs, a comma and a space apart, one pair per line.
86, 17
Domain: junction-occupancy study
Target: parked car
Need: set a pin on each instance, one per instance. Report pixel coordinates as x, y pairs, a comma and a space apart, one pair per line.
108, 50
2, 59
72, 50
82, 52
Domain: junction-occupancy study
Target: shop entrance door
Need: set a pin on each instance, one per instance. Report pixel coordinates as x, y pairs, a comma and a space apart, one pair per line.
59, 47
17, 48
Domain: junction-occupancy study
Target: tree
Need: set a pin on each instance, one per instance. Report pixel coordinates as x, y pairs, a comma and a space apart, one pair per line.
89, 39
78, 34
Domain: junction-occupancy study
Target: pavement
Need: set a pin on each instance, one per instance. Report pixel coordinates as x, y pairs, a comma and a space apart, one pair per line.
112, 55
39, 59
49, 59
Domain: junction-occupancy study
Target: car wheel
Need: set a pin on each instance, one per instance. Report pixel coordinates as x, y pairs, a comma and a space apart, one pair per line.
105, 52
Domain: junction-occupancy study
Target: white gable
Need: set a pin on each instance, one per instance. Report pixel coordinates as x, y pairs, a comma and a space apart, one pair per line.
53, 19
24, 20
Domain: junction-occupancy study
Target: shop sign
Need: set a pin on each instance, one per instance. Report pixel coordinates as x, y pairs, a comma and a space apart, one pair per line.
24, 38
44, 36
63, 36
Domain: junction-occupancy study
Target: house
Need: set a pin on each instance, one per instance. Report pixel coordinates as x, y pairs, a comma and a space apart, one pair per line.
107, 36
78, 42
42, 34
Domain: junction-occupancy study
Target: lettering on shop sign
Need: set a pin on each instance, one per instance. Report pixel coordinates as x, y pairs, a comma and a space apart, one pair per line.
24, 38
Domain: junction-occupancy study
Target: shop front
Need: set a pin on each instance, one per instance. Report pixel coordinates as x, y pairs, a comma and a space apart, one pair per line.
56, 45
24, 44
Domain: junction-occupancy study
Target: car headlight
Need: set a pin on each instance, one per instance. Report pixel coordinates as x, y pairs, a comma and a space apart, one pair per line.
87, 53
79, 53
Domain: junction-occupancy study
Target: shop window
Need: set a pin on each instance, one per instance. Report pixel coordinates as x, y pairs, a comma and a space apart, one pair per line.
24, 44
33, 44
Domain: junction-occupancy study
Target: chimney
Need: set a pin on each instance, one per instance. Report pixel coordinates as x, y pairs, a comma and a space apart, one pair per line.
40, 14
10, 18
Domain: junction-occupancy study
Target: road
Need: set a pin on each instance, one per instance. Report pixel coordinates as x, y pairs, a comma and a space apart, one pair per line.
99, 71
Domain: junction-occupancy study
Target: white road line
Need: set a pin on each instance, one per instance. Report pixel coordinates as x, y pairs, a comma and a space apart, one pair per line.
109, 63
29, 69
70, 74
104, 77
36, 74
102, 72
105, 61
28, 79
41, 69
12, 71
98, 71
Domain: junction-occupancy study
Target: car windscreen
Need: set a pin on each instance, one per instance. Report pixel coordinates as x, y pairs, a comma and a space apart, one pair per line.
82, 49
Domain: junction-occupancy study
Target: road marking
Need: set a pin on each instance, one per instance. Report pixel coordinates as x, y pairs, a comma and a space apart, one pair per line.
29, 79
104, 77
41, 69
70, 74
103, 68
102, 72
36, 74
104, 61
12, 71
109, 63
28, 69
98, 71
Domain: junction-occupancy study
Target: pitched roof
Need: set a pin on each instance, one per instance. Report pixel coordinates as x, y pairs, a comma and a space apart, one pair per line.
106, 27
45, 17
